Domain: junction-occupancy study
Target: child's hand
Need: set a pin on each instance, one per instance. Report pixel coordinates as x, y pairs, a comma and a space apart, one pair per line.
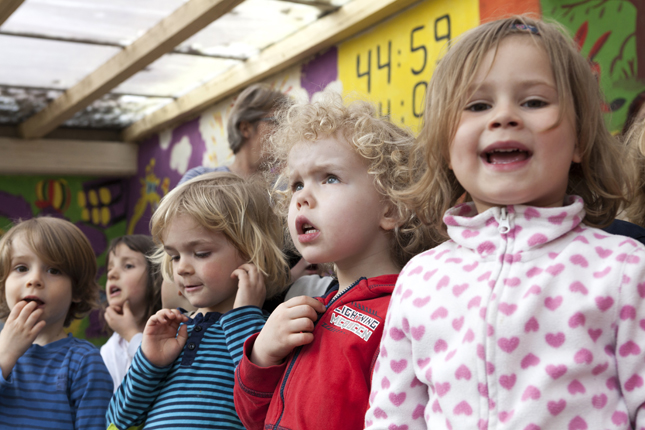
161, 343
250, 289
121, 320
289, 326
19, 332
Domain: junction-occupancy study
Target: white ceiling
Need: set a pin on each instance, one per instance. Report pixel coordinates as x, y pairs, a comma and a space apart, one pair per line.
47, 46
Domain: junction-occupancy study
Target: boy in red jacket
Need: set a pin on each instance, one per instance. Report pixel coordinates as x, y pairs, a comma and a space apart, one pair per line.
310, 367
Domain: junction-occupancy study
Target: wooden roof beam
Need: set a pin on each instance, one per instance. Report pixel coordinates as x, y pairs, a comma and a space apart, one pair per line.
67, 157
160, 39
8, 7
348, 20
322, 5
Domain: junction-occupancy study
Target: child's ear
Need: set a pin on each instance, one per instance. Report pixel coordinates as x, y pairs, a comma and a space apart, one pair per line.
245, 129
389, 218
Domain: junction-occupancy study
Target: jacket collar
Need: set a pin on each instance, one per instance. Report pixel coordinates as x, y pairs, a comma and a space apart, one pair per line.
363, 288
529, 227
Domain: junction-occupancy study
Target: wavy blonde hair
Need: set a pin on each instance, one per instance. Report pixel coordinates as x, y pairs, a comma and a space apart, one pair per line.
384, 147
239, 209
599, 178
635, 141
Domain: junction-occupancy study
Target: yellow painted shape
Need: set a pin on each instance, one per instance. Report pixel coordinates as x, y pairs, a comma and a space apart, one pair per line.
59, 194
105, 216
39, 191
85, 214
94, 199
95, 216
104, 195
82, 201
402, 54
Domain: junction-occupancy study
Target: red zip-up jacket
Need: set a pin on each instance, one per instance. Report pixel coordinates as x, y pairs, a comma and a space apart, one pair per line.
325, 384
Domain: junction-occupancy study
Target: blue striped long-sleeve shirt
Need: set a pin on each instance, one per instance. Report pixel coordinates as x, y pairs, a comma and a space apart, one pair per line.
62, 385
196, 391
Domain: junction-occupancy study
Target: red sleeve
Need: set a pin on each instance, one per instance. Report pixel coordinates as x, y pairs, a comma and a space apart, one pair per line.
254, 388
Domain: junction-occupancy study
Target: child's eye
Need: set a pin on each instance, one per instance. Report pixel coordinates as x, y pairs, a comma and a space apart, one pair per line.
296, 186
478, 107
174, 258
129, 266
54, 271
331, 179
534, 103
202, 254
21, 268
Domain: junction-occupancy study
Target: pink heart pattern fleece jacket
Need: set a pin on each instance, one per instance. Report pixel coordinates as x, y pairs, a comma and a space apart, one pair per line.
526, 320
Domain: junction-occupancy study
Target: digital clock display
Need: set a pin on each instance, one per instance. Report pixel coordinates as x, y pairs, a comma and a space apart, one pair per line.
392, 63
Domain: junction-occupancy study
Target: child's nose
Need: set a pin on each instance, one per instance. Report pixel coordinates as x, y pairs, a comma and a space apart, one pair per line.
504, 116
183, 268
35, 279
305, 198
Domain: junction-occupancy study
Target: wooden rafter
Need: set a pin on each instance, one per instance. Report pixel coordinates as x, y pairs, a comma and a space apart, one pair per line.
322, 5
67, 157
160, 39
333, 28
7, 7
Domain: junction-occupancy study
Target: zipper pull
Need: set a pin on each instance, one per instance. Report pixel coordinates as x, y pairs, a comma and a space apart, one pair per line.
504, 224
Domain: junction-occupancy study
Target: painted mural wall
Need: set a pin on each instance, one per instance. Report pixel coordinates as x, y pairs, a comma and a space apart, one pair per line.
97, 206
389, 64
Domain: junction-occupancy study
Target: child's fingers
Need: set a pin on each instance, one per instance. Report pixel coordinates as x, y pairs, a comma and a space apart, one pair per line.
241, 275
15, 311
38, 328
26, 311
251, 274
302, 312
301, 325
116, 309
33, 318
126, 308
305, 300
176, 315
182, 335
299, 339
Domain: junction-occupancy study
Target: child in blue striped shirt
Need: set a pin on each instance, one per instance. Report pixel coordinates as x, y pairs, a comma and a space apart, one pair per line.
50, 380
222, 244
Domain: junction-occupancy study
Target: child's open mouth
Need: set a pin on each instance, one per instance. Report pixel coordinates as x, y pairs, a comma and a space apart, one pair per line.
306, 230
505, 153
114, 290
30, 299
506, 156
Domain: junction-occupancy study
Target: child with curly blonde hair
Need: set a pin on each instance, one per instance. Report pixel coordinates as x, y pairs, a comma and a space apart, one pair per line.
310, 366
529, 317
49, 378
222, 244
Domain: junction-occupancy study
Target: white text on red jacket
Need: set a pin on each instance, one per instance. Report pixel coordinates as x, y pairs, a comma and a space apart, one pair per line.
358, 323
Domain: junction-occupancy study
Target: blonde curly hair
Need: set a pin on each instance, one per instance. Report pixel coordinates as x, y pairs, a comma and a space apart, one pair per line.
384, 147
599, 178
635, 163
239, 209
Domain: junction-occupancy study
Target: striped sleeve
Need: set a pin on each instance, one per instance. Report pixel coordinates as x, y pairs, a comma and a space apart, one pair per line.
131, 402
239, 324
90, 392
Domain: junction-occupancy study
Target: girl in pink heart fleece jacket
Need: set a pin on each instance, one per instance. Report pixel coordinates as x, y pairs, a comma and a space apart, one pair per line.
528, 317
